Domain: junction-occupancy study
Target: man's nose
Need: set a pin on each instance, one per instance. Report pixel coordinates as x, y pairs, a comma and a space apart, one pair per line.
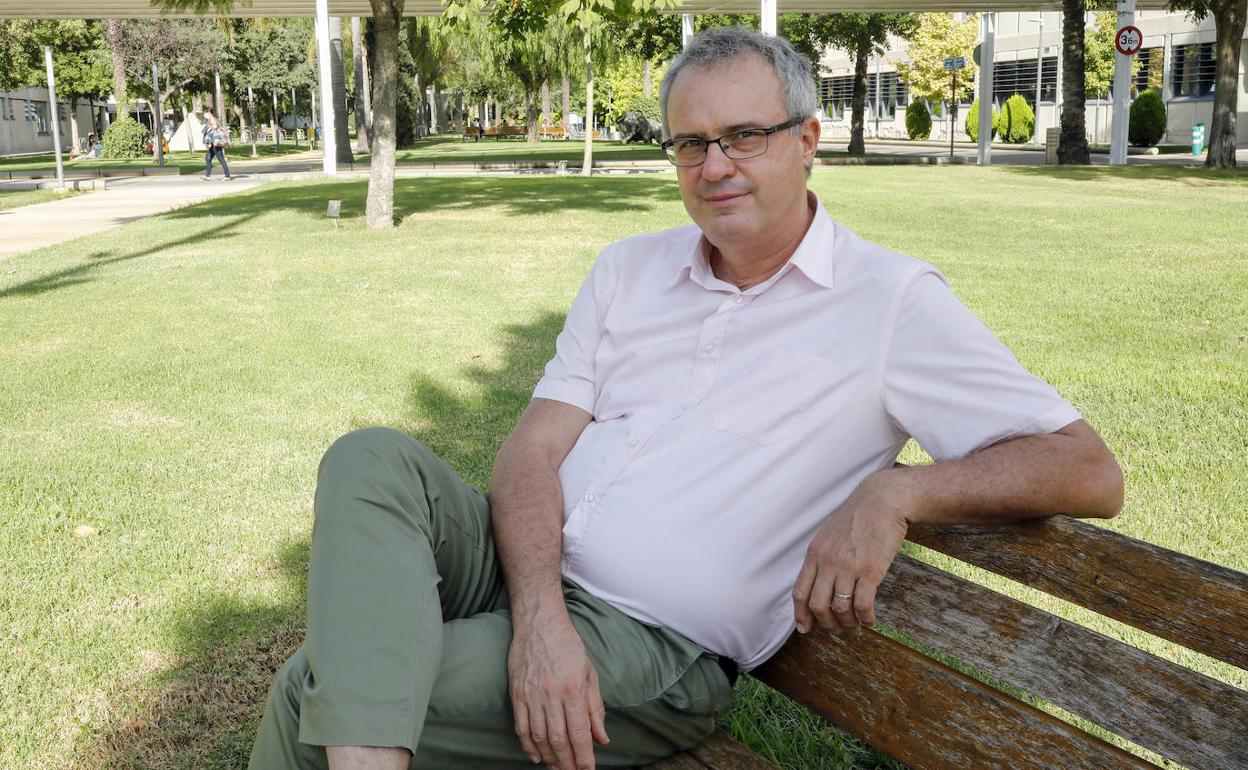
717, 164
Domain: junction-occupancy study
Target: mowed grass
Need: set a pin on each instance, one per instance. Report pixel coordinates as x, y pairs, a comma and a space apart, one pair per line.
186, 161
173, 384
11, 199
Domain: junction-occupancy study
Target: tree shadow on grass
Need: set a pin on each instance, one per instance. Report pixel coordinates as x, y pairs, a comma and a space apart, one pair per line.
1195, 177
512, 196
203, 712
84, 272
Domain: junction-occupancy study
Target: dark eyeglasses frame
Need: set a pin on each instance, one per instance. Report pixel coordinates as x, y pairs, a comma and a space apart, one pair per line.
767, 132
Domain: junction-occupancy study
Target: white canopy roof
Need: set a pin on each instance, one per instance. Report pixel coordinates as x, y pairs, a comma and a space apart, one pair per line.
108, 9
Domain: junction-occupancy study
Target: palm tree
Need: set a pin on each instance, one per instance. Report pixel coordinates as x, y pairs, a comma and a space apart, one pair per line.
1072, 147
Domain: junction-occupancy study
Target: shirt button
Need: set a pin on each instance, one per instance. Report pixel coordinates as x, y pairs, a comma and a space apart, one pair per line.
589, 498
709, 347
738, 299
631, 442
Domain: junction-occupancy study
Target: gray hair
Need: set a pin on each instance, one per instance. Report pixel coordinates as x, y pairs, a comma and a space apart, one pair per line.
720, 46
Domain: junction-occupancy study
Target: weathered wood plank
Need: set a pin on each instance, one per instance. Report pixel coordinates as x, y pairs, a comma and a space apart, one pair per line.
926, 714
1183, 715
1198, 604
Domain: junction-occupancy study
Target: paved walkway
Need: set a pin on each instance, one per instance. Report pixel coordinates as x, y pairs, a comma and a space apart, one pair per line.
45, 224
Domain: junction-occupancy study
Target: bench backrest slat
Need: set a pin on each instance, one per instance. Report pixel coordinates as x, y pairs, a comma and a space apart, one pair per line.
1182, 715
1194, 603
927, 714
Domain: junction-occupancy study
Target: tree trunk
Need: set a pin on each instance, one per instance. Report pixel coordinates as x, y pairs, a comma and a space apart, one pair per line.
856, 144
363, 118
379, 211
435, 110
587, 159
645, 80
1072, 147
567, 100
532, 116
114, 34
546, 119
338, 85
73, 125
1229, 16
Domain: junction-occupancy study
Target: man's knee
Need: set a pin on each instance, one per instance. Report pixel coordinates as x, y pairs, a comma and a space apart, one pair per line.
373, 444
288, 683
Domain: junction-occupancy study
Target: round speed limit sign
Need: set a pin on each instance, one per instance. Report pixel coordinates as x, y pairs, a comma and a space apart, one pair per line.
1129, 41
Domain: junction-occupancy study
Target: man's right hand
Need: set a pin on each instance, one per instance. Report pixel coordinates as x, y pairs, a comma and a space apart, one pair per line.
554, 692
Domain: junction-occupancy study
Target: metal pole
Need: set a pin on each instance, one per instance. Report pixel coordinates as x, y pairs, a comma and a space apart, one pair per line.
312, 143
251, 105
56, 117
158, 123
769, 17
294, 109
953, 111
324, 58
1039, 59
221, 103
877, 97
277, 121
1122, 90
987, 51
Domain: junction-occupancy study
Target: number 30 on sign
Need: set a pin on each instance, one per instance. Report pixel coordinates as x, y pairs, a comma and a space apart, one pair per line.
1129, 41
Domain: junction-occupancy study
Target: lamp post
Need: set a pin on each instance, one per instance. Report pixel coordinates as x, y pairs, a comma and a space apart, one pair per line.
1039, 61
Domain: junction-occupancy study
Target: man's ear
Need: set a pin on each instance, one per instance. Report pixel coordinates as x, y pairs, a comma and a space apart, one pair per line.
810, 139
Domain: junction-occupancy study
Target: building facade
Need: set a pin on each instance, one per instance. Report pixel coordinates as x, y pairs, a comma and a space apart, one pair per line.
26, 122
1177, 59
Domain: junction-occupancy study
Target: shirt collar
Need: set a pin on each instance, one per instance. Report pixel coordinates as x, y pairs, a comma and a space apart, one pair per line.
813, 255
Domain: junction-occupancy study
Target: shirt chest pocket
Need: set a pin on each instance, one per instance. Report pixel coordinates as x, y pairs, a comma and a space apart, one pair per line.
767, 397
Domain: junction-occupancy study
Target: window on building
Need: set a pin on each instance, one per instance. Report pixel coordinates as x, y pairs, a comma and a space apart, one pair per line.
1019, 77
40, 112
1150, 73
836, 94
6, 108
1193, 70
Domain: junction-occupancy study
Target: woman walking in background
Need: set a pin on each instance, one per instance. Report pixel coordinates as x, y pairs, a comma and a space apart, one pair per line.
216, 140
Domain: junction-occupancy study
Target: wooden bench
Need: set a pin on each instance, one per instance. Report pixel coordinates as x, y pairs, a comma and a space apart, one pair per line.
928, 714
472, 132
556, 131
504, 132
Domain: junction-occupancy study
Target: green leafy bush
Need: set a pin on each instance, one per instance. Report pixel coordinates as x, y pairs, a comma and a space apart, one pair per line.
1016, 123
126, 138
918, 120
972, 122
1147, 125
646, 105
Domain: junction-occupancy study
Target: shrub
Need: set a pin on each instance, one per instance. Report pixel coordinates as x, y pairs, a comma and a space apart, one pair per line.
918, 120
1016, 123
972, 122
126, 138
1147, 124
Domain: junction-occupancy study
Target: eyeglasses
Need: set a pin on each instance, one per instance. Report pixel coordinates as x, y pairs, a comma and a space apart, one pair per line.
739, 145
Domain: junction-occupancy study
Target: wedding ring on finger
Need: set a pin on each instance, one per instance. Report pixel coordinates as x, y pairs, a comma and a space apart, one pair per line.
843, 597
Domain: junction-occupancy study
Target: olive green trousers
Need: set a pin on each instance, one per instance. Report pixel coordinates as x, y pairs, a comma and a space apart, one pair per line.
409, 628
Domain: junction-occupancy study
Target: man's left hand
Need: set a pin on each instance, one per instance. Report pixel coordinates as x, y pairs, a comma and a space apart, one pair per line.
849, 557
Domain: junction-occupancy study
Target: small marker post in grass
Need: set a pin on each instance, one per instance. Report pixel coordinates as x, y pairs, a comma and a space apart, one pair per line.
334, 211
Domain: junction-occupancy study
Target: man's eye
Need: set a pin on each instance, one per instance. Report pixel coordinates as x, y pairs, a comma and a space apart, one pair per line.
689, 144
749, 133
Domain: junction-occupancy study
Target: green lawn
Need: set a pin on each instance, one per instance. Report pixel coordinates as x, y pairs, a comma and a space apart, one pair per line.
174, 383
11, 199
187, 161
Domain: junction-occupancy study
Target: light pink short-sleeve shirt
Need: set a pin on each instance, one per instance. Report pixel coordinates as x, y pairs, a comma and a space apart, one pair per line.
728, 424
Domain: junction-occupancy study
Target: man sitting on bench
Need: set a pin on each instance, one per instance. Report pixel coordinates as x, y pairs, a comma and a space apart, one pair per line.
707, 464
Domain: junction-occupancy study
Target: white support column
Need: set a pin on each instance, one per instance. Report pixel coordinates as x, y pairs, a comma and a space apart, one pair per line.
220, 103
769, 17
987, 46
686, 29
329, 147
158, 123
55, 114
1122, 91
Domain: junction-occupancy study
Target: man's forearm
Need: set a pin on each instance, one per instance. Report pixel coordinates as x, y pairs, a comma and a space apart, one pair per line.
1070, 471
526, 503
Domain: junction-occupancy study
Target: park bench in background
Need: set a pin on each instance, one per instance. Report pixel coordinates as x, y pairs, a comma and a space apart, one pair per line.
556, 131
472, 132
929, 715
504, 132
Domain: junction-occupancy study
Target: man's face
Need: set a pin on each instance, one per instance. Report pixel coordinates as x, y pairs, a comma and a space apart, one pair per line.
740, 201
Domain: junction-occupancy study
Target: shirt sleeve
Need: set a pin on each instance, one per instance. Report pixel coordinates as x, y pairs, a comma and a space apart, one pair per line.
949, 383
569, 375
